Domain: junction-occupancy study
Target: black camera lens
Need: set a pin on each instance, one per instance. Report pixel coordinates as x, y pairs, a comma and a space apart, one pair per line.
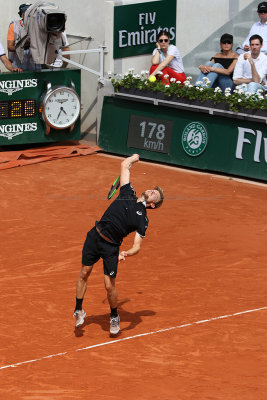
55, 22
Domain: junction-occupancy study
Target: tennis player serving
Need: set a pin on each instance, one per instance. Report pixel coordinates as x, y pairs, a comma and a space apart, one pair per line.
126, 214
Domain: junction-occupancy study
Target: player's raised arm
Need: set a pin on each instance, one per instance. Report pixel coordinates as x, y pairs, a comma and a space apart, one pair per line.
125, 167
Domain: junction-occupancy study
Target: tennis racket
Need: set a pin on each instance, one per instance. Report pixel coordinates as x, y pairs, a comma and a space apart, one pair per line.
114, 187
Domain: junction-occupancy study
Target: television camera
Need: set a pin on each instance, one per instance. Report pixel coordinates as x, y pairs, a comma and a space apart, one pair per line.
41, 33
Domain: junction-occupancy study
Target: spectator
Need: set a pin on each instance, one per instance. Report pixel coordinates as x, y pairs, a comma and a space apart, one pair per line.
6, 61
259, 28
167, 60
251, 66
219, 70
13, 36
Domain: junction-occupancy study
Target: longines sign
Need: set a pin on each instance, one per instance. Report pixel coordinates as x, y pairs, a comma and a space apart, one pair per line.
16, 85
11, 130
136, 26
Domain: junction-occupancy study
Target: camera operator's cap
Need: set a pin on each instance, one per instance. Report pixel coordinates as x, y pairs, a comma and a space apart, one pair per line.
23, 8
262, 6
226, 37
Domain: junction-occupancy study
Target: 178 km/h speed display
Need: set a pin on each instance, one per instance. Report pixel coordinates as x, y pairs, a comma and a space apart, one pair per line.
152, 134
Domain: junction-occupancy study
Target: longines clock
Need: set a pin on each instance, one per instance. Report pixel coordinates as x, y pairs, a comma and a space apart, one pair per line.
60, 107
40, 107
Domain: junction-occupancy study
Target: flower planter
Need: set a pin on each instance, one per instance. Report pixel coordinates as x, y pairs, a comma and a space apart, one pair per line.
251, 111
146, 93
222, 106
137, 92
208, 104
168, 93
174, 98
162, 96
261, 113
124, 90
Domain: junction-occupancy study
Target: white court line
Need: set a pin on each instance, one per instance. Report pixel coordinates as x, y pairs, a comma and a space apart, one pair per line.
136, 336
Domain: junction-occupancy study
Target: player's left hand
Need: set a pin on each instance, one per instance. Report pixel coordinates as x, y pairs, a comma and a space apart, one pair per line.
122, 255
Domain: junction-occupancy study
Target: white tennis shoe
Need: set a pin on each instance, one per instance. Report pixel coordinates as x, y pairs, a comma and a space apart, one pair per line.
79, 315
114, 325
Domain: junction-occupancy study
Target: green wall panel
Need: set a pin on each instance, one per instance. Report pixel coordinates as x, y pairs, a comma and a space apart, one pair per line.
232, 146
136, 26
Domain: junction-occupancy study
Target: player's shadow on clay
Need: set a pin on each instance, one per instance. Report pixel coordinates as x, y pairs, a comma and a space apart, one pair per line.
102, 320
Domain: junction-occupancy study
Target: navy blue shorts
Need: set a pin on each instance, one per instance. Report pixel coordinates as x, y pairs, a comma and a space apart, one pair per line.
95, 248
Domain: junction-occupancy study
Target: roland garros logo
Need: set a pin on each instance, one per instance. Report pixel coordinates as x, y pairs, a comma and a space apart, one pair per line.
11, 87
194, 139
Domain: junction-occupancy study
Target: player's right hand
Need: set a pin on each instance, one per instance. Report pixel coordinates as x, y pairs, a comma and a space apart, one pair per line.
135, 157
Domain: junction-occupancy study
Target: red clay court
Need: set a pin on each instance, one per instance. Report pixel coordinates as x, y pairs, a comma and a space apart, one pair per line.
193, 302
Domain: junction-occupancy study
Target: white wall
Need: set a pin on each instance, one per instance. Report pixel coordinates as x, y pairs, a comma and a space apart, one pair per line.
245, 3
201, 21
196, 20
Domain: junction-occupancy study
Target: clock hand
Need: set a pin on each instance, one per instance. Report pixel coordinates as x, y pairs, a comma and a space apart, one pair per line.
61, 108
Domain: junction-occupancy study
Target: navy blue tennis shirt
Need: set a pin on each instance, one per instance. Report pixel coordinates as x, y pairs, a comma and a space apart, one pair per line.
123, 216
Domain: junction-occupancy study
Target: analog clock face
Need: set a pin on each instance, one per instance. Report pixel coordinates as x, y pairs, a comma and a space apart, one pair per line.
61, 108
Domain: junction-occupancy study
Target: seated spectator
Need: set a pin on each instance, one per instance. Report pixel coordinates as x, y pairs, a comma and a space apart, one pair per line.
219, 70
167, 60
6, 61
251, 66
259, 28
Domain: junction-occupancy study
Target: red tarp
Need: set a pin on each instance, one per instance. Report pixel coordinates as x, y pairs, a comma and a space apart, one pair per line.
18, 158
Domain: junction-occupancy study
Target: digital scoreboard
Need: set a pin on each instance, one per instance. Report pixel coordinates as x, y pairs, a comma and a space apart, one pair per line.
12, 109
40, 107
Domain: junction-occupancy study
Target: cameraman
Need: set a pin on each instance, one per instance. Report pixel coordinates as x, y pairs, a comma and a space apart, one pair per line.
13, 36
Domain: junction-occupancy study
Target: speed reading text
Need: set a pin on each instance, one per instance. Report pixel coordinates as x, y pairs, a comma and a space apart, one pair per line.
149, 133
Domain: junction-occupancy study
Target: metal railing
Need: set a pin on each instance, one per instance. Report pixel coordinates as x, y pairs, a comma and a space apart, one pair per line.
100, 51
